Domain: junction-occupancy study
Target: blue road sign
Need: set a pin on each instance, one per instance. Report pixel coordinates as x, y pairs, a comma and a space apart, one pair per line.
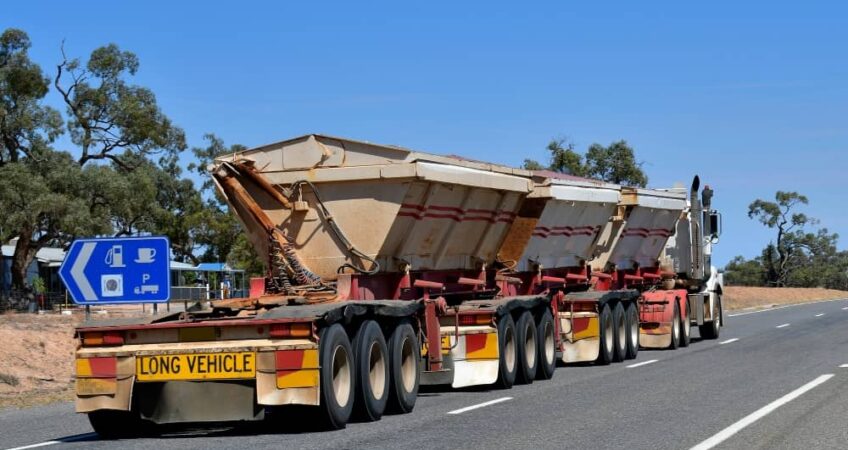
118, 270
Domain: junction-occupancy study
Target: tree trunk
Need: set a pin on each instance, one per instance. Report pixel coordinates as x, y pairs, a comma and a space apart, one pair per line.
25, 250
782, 257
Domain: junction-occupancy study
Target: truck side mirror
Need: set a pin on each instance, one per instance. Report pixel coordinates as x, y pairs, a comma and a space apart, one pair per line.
715, 224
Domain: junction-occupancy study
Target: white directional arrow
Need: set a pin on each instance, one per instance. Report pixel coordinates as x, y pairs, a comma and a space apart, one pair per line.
77, 271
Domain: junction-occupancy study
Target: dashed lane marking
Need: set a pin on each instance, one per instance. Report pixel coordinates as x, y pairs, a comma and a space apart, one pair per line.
819, 314
728, 341
643, 363
724, 434
480, 405
782, 326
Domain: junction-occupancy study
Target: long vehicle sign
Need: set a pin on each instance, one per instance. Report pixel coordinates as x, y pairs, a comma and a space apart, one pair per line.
196, 366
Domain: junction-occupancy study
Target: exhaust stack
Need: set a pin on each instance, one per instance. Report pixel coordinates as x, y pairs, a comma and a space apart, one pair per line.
696, 216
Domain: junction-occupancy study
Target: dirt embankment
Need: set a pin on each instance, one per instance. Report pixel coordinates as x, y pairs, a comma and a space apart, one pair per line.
741, 297
36, 358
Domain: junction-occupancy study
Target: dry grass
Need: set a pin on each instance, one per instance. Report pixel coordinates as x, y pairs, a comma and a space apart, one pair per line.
740, 297
9, 379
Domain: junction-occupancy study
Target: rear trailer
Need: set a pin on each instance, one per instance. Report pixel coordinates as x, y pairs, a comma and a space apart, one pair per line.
388, 269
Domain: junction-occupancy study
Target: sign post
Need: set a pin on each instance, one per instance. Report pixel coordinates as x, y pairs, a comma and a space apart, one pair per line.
118, 270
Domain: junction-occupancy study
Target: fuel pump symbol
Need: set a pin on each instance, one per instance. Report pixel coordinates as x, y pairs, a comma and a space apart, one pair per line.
115, 257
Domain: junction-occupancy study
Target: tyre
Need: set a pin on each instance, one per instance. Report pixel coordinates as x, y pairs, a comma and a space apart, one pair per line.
507, 366
546, 345
525, 333
710, 330
606, 336
675, 327
685, 328
111, 424
338, 378
371, 362
403, 368
632, 315
619, 325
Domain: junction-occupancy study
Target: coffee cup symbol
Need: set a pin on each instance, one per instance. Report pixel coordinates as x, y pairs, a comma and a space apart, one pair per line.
145, 255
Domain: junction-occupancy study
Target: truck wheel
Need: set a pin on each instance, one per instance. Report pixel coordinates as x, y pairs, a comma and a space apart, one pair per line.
606, 336
372, 371
675, 328
546, 335
686, 329
508, 352
710, 330
620, 334
404, 362
111, 424
337, 376
632, 316
525, 330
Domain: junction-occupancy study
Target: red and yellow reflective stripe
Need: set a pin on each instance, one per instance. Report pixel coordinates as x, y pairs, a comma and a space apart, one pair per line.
102, 367
585, 328
297, 368
481, 346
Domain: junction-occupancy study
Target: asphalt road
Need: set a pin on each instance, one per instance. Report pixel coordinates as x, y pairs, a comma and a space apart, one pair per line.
764, 384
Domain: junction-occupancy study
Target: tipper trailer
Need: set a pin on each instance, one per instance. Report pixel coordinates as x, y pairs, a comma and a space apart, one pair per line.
388, 269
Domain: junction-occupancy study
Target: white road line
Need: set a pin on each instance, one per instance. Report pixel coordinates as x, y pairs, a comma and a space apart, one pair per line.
782, 326
74, 438
728, 341
819, 314
643, 363
722, 435
785, 306
480, 405
844, 366
845, 307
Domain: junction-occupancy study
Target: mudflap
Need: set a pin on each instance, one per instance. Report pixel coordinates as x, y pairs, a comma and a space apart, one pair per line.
198, 401
473, 355
113, 393
580, 336
656, 313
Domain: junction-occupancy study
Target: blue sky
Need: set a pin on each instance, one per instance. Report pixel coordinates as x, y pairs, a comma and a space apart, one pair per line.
753, 97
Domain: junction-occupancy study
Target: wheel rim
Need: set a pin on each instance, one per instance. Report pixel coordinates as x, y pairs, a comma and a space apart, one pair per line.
622, 335
675, 329
377, 370
718, 316
608, 335
634, 332
341, 375
509, 349
549, 342
407, 365
530, 345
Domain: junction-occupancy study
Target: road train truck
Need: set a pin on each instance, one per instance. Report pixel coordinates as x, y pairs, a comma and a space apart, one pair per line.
387, 269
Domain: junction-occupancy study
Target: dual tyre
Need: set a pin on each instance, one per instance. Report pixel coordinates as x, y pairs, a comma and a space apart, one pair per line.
527, 348
711, 330
618, 333
367, 376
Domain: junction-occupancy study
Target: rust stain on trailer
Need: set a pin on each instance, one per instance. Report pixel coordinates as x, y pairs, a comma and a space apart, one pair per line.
521, 230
